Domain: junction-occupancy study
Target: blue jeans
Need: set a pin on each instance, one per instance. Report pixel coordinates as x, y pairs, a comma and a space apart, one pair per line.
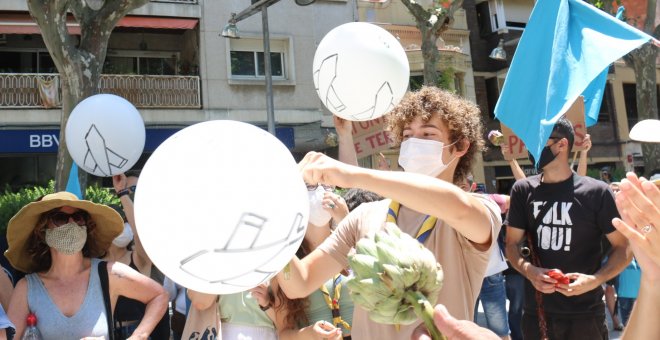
515, 292
625, 308
493, 299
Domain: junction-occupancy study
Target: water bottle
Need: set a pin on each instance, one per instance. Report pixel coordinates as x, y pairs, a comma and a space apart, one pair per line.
31, 332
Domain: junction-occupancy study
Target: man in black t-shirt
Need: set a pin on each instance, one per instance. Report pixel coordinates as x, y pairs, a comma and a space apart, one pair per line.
564, 216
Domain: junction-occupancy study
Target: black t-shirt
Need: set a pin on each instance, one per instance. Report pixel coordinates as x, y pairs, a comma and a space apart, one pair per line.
568, 237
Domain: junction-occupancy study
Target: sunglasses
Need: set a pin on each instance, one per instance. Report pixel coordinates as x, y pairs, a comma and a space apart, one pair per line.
60, 218
132, 188
312, 187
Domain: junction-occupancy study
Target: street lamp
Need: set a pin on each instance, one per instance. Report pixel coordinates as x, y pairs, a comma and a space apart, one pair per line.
498, 52
231, 31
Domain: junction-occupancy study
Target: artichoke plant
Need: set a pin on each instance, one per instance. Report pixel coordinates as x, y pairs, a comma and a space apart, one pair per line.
396, 279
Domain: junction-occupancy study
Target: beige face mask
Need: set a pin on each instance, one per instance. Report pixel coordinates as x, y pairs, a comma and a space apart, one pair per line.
68, 238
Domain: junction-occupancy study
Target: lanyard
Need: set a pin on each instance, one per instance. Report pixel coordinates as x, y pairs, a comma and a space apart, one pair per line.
424, 230
333, 302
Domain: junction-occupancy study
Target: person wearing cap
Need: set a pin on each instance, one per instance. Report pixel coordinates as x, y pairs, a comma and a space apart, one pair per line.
57, 241
639, 204
563, 216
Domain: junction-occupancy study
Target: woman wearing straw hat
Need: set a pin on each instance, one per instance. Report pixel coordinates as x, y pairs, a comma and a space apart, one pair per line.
57, 240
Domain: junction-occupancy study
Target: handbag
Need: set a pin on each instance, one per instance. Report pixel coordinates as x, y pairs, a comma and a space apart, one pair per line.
527, 250
202, 324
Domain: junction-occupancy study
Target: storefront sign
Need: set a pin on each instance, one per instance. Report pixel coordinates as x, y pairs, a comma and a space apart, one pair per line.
575, 115
48, 140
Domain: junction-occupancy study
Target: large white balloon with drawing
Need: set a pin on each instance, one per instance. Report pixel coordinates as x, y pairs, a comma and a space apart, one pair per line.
105, 135
221, 207
360, 71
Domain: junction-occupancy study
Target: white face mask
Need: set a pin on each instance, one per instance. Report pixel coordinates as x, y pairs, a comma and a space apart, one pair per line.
317, 215
125, 237
68, 238
423, 156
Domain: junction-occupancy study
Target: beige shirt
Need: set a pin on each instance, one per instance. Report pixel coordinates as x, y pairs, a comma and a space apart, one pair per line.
463, 265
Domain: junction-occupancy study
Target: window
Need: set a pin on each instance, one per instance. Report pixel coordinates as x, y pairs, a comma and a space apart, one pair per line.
246, 60
458, 83
630, 99
492, 95
133, 62
251, 64
605, 113
497, 20
490, 16
26, 62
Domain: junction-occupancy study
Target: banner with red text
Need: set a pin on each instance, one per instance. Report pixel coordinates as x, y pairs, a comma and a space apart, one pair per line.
575, 115
370, 137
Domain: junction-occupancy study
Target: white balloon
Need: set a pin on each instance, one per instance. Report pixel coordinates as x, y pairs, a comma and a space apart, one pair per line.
221, 207
105, 135
646, 131
360, 71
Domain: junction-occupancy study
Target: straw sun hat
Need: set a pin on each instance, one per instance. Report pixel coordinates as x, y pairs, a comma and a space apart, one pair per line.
19, 230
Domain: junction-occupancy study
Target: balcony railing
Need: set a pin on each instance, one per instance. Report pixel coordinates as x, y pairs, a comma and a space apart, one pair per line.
21, 90
178, 1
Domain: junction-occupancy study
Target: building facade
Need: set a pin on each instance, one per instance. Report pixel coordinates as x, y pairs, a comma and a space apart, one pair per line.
455, 64
493, 20
169, 59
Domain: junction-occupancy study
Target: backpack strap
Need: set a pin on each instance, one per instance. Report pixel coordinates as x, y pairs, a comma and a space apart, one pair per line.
105, 286
536, 261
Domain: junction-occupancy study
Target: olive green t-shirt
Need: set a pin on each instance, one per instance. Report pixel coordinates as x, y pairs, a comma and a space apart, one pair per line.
243, 309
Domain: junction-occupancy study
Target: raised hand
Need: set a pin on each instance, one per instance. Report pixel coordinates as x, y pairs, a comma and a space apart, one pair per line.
639, 205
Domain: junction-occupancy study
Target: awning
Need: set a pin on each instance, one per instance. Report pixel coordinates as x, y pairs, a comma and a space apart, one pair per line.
23, 24
155, 22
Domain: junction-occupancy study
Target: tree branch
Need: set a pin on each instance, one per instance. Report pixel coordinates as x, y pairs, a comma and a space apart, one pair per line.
650, 15
447, 18
51, 18
420, 14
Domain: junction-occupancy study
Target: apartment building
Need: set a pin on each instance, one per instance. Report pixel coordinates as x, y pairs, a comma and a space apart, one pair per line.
169, 59
492, 21
455, 56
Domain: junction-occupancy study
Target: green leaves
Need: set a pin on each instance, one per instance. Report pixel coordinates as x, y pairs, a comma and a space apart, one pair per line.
11, 202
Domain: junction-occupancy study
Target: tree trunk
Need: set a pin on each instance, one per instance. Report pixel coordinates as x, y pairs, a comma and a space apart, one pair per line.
430, 54
643, 62
78, 60
431, 23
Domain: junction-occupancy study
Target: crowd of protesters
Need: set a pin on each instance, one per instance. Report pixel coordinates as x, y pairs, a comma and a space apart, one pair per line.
88, 276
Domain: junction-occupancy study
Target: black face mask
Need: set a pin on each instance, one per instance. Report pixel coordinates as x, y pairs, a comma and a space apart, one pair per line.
546, 157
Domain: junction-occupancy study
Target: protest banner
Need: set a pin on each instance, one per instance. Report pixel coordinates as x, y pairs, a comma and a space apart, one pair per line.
575, 115
370, 137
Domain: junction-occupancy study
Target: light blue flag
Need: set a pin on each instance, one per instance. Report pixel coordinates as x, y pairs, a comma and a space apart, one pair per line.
564, 52
73, 184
